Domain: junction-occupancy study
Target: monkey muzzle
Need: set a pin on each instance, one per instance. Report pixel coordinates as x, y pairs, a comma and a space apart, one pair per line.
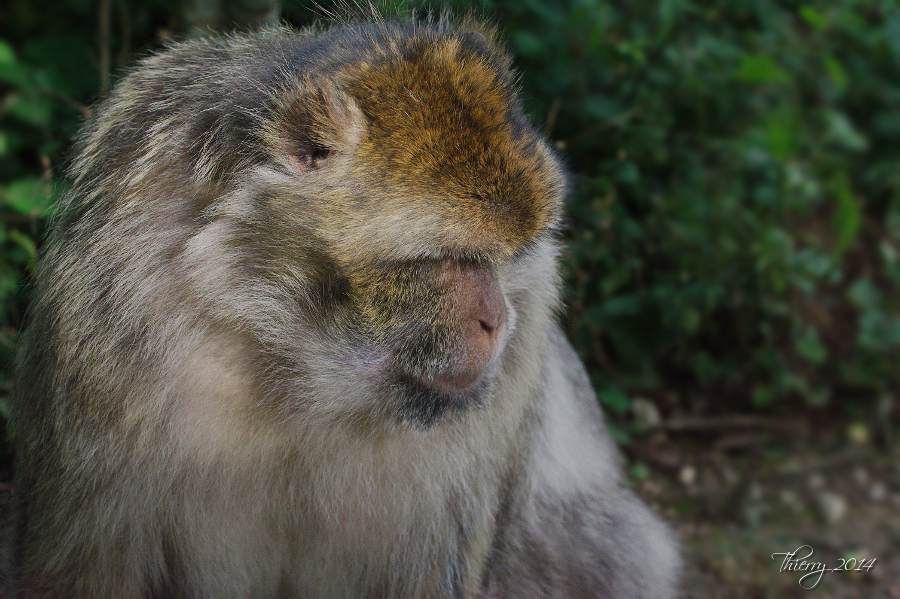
450, 328
477, 310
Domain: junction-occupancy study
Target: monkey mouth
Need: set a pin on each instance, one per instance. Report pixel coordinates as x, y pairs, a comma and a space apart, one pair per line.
453, 371
423, 402
426, 394
454, 382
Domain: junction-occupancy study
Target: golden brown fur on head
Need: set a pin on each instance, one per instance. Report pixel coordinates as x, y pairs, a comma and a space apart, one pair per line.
436, 140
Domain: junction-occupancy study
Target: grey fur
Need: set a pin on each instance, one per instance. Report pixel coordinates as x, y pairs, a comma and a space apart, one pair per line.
203, 405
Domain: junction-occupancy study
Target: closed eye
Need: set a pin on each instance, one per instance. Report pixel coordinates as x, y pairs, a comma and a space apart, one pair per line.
309, 159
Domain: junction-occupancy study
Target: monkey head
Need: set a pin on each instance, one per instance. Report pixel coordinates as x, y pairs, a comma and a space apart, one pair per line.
402, 181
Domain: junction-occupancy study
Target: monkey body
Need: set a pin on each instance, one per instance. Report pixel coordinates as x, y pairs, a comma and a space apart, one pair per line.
293, 336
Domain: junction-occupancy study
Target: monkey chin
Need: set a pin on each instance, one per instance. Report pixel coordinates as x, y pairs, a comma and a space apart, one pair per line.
425, 402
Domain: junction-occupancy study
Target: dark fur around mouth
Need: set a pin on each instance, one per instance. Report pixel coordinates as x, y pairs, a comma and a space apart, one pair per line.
423, 406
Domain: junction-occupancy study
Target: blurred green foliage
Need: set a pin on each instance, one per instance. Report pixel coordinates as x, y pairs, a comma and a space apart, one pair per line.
734, 215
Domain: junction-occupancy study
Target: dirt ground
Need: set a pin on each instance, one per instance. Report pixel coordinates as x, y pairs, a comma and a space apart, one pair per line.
743, 492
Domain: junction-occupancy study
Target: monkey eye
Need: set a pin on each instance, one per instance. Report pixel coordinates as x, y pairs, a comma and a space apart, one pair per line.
309, 159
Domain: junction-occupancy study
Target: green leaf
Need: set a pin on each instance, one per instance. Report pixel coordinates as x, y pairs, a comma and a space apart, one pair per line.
617, 434
26, 196
781, 136
878, 331
836, 72
7, 54
814, 18
763, 395
761, 69
639, 471
17, 75
865, 295
614, 398
668, 14
25, 242
839, 130
33, 109
810, 347
847, 218
705, 368
620, 305
529, 44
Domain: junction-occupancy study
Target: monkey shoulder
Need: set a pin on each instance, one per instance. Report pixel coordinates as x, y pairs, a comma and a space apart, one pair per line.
575, 530
573, 450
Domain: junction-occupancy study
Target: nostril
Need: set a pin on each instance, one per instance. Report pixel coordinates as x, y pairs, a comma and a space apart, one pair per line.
491, 313
492, 318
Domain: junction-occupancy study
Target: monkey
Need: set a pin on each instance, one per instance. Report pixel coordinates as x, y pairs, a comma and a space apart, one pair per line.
294, 335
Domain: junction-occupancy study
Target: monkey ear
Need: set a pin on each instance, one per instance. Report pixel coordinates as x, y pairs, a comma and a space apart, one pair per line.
316, 125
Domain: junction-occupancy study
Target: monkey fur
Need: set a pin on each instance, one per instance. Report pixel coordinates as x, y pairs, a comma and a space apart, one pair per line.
294, 336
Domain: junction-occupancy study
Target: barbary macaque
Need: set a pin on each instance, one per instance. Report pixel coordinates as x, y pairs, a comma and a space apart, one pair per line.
294, 336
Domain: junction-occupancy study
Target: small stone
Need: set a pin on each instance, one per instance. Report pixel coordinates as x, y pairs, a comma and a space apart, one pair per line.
885, 405
815, 482
858, 433
861, 476
790, 499
754, 512
832, 507
893, 530
878, 492
730, 477
755, 492
646, 414
687, 475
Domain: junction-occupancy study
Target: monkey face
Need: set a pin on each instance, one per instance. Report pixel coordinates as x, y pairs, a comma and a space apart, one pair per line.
417, 181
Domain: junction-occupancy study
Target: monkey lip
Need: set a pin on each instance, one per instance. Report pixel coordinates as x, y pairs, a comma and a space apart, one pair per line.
454, 382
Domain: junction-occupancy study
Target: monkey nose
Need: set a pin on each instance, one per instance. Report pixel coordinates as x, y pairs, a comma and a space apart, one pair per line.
488, 316
477, 301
